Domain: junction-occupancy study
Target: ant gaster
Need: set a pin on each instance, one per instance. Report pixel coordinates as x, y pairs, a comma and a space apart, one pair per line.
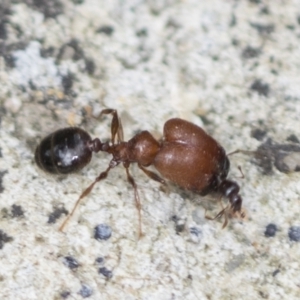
186, 156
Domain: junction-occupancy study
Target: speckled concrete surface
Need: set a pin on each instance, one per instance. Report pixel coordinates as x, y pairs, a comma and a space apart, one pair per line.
229, 66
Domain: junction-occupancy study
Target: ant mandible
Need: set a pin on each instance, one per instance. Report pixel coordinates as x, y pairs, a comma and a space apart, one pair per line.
186, 156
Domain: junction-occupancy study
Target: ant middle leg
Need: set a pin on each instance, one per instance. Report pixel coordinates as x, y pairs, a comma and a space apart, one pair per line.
152, 175
102, 176
136, 197
116, 125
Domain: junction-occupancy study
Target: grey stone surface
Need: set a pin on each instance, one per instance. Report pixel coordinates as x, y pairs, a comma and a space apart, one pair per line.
229, 66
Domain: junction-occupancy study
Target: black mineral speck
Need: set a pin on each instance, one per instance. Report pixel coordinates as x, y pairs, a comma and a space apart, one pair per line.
0, 148
250, 52
195, 234
50, 9
5, 213
271, 230
9, 60
263, 29
260, 87
99, 260
233, 21
90, 66
17, 211
235, 42
85, 291
258, 134
270, 152
293, 138
71, 50
294, 233
2, 173
3, 32
5, 11
142, 32
179, 224
70, 262
195, 231
179, 228
280, 164
67, 82
4, 238
106, 29
7, 51
265, 10
275, 272
290, 27
58, 211
102, 232
287, 153
47, 52
105, 272
65, 294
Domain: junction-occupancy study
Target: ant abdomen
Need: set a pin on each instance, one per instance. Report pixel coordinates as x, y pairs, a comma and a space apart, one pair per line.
64, 151
190, 158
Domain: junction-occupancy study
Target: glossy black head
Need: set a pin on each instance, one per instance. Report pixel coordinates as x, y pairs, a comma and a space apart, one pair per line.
230, 190
64, 151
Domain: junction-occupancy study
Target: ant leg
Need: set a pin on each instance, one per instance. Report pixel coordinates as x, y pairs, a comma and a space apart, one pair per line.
136, 198
242, 151
241, 171
219, 215
223, 212
152, 175
102, 176
116, 124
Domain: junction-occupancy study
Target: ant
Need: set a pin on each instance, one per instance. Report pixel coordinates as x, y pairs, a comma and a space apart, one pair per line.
186, 156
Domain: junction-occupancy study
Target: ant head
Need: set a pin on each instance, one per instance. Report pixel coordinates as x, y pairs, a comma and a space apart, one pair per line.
230, 190
236, 202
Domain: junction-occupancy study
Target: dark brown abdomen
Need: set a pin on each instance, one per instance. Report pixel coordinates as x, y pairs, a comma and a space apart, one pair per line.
190, 158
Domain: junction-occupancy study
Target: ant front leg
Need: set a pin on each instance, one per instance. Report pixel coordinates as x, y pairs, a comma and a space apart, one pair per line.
102, 176
136, 197
116, 124
222, 213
